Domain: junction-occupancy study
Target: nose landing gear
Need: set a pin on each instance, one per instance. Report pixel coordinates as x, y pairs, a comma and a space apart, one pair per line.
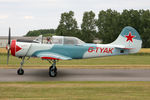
20, 71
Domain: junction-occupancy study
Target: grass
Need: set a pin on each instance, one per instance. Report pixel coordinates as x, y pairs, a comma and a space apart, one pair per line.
123, 61
145, 50
3, 50
140, 59
75, 91
78, 90
112, 60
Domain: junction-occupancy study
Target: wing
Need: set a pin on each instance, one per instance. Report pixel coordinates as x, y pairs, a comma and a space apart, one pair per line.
53, 56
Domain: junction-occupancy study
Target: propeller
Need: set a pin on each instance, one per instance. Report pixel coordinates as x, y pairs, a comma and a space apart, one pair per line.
8, 45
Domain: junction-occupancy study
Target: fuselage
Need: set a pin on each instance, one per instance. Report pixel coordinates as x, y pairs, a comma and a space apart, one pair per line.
86, 50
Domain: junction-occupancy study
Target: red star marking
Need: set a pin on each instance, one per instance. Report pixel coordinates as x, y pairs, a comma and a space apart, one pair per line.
129, 37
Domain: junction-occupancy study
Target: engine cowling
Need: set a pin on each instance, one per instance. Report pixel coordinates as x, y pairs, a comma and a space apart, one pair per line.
19, 48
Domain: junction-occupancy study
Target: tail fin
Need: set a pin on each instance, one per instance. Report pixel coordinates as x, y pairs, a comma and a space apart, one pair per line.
129, 39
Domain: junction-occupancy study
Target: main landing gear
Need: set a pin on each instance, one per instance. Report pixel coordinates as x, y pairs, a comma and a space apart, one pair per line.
20, 71
52, 69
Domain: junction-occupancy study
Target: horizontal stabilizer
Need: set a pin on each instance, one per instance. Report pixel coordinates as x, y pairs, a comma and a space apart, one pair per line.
123, 47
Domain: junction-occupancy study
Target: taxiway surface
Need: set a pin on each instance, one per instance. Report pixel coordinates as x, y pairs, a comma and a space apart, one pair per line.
9, 75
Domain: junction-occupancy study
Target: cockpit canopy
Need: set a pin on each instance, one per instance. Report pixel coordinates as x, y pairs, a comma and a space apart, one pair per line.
66, 40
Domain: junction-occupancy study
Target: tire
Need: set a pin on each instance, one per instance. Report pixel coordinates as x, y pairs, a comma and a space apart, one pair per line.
52, 71
20, 71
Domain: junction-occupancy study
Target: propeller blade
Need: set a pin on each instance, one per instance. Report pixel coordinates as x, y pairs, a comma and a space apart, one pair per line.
8, 45
7, 57
9, 36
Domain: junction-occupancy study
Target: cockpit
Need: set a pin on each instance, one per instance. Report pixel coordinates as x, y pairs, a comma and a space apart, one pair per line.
66, 40
55, 40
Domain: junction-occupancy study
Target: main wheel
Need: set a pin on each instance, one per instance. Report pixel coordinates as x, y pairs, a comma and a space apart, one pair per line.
52, 71
20, 71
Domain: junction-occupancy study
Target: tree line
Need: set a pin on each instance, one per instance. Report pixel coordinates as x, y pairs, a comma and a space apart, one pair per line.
107, 26
44, 32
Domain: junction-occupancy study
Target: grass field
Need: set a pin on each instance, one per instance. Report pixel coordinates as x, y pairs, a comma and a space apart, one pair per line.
78, 90
3, 50
145, 50
124, 61
75, 91
114, 61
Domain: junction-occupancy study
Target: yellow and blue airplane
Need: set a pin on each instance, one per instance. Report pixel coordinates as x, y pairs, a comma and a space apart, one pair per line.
68, 48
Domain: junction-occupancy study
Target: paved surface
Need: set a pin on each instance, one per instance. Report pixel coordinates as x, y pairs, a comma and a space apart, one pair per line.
77, 75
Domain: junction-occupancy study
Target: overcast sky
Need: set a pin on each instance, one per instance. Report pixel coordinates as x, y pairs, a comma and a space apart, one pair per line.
25, 15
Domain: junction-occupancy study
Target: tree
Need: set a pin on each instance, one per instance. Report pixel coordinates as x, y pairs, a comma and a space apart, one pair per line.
88, 27
67, 25
44, 32
145, 27
130, 18
108, 24
140, 21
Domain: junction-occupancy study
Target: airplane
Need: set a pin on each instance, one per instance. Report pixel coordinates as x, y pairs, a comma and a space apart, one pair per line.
68, 48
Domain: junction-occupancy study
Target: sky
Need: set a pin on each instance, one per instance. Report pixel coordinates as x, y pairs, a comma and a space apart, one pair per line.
25, 15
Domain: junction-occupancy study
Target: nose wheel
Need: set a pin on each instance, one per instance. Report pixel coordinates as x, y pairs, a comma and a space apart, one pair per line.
20, 71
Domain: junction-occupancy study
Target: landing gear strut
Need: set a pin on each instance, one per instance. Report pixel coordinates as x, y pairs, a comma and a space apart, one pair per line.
53, 69
20, 71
